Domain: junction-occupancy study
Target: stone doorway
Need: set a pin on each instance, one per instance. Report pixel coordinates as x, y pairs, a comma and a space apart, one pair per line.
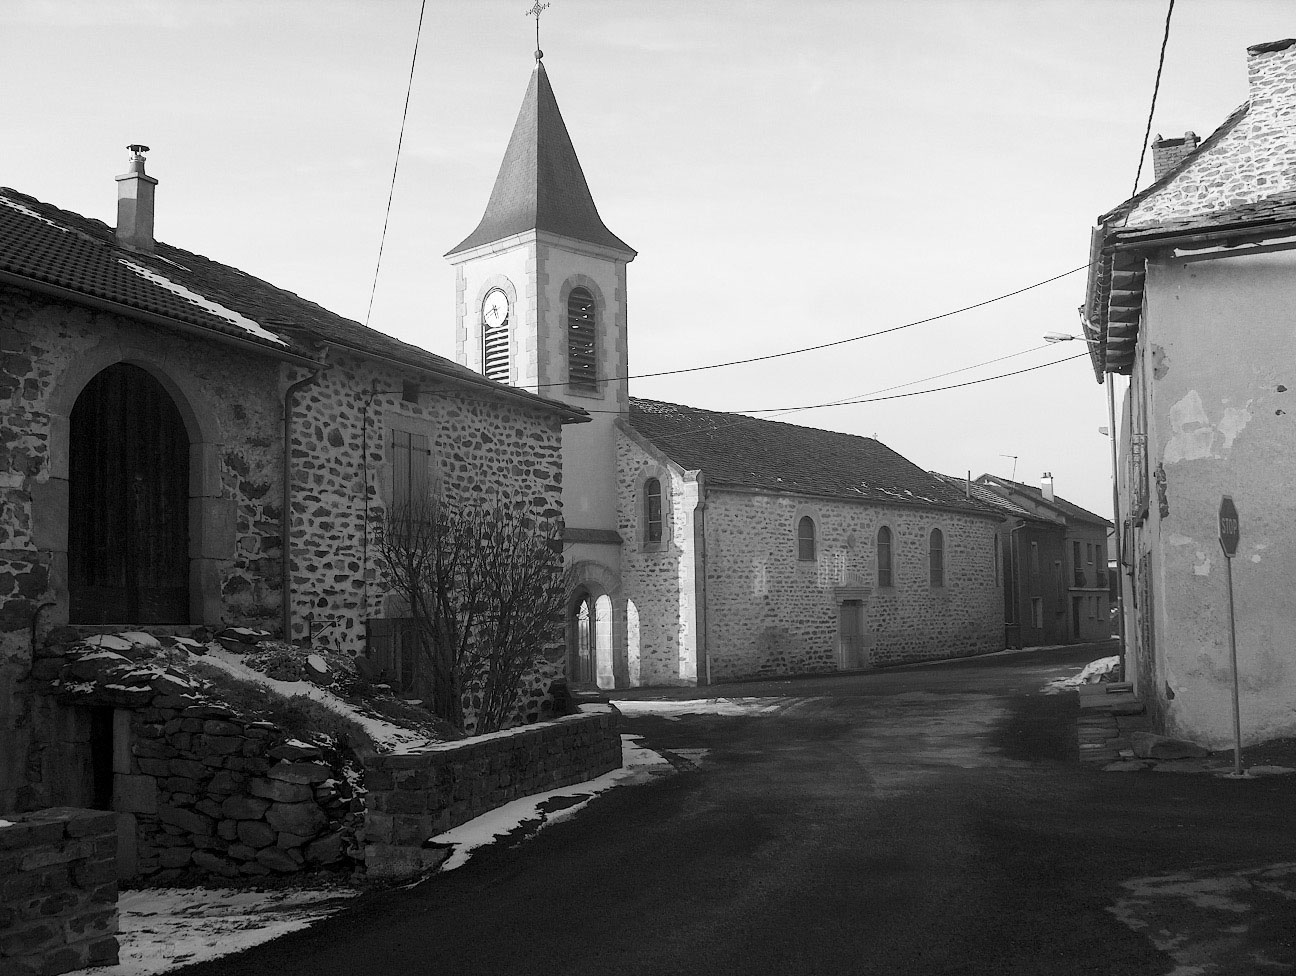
128, 502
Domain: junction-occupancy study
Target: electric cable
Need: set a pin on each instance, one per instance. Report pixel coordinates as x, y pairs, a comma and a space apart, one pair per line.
1156, 87
400, 139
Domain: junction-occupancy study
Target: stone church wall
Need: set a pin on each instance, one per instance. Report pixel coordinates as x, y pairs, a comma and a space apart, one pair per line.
770, 613
658, 579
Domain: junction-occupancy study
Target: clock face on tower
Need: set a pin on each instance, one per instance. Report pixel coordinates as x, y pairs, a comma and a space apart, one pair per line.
495, 309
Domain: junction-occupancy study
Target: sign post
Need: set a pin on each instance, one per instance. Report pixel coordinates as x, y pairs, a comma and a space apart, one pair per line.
1229, 534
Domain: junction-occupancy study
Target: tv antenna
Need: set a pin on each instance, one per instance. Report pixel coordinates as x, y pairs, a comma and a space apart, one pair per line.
1014, 461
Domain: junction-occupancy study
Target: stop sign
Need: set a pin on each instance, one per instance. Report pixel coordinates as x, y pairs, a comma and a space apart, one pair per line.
1229, 531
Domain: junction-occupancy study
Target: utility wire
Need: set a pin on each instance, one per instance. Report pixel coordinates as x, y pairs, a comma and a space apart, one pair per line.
1156, 87
391, 191
829, 345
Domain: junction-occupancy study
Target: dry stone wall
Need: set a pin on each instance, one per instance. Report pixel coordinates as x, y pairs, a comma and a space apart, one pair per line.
58, 892
195, 785
769, 612
415, 795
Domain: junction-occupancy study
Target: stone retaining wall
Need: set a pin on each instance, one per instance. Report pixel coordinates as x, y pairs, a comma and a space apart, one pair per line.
58, 893
416, 795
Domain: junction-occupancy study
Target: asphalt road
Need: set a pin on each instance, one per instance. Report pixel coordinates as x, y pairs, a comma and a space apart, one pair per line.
918, 821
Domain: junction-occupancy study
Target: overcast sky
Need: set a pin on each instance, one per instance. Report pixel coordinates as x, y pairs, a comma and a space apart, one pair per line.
791, 173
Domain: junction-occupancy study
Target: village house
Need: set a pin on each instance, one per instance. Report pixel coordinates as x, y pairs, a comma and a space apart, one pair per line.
186, 445
1190, 292
1074, 605
703, 546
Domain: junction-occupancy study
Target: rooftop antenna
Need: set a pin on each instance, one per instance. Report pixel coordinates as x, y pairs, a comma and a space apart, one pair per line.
536, 10
1014, 461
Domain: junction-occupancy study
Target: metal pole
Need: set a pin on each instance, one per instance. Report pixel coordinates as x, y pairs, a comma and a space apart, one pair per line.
1237, 717
1117, 542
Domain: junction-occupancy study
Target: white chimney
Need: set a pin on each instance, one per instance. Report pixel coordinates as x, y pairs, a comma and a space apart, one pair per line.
135, 204
1046, 486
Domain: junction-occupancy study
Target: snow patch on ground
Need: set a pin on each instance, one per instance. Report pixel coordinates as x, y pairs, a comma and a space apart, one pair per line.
163, 928
638, 765
1092, 673
220, 311
674, 710
386, 737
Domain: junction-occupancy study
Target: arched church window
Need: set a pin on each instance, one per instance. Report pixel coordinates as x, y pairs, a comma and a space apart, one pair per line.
495, 336
652, 511
806, 538
937, 557
884, 577
582, 360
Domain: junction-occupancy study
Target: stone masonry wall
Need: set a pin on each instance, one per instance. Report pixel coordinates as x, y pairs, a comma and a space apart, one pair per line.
770, 613
49, 350
483, 449
659, 579
58, 892
1253, 161
415, 795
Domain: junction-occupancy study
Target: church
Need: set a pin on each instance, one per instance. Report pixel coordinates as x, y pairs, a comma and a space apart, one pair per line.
703, 546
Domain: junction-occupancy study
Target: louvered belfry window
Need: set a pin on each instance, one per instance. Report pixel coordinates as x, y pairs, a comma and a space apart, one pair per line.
582, 362
495, 346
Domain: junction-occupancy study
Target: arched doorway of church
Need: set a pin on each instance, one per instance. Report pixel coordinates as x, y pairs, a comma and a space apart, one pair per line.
128, 502
589, 648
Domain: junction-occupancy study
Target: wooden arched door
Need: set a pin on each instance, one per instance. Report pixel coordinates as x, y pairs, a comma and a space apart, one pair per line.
128, 503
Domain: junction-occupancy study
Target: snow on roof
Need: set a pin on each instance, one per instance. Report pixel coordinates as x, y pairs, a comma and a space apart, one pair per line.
234, 318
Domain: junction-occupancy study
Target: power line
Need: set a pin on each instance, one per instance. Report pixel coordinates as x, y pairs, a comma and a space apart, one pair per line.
828, 345
1156, 87
391, 191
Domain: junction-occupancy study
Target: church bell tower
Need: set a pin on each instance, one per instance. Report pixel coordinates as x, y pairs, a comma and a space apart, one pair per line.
541, 302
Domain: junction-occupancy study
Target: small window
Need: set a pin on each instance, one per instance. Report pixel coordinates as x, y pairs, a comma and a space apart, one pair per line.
937, 557
1060, 584
806, 539
996, 561
1077, 568
652, 511
1037, 612
1034, 559
884, 557
582, 359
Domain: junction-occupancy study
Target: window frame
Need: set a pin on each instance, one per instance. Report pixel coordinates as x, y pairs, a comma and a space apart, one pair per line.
936, 558
649, 496
802, 539
581, 383
885, 566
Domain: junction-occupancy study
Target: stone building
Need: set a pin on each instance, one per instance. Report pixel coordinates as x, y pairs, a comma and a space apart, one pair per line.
1074, 606
702, 546
1190, 292
184, 444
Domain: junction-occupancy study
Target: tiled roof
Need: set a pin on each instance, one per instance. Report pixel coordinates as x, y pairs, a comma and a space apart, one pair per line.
46, 248
541, 185
735, 451
987, 497
1069, 510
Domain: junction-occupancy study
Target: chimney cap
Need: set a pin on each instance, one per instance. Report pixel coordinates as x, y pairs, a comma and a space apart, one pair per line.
137, 148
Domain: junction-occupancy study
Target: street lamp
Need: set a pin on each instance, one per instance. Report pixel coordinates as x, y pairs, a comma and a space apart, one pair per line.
1053, 337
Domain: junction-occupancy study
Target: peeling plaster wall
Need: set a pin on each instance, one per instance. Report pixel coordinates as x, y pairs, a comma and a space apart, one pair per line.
769, 612
1216, 374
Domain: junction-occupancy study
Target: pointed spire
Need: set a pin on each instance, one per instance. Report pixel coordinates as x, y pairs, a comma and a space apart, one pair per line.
540, 185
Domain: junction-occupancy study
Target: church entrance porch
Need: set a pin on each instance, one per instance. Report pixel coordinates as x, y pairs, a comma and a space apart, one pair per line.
597, 618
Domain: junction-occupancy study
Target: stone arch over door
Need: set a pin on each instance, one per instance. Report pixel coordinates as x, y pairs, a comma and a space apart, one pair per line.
596, 655
206, 517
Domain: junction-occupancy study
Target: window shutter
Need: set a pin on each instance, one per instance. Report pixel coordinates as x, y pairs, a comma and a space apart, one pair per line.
582, 362
495, 352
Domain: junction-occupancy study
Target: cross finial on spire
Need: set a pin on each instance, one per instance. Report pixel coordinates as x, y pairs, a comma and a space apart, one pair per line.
536, 10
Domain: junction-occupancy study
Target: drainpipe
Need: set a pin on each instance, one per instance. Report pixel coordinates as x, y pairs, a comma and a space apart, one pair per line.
286, 530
